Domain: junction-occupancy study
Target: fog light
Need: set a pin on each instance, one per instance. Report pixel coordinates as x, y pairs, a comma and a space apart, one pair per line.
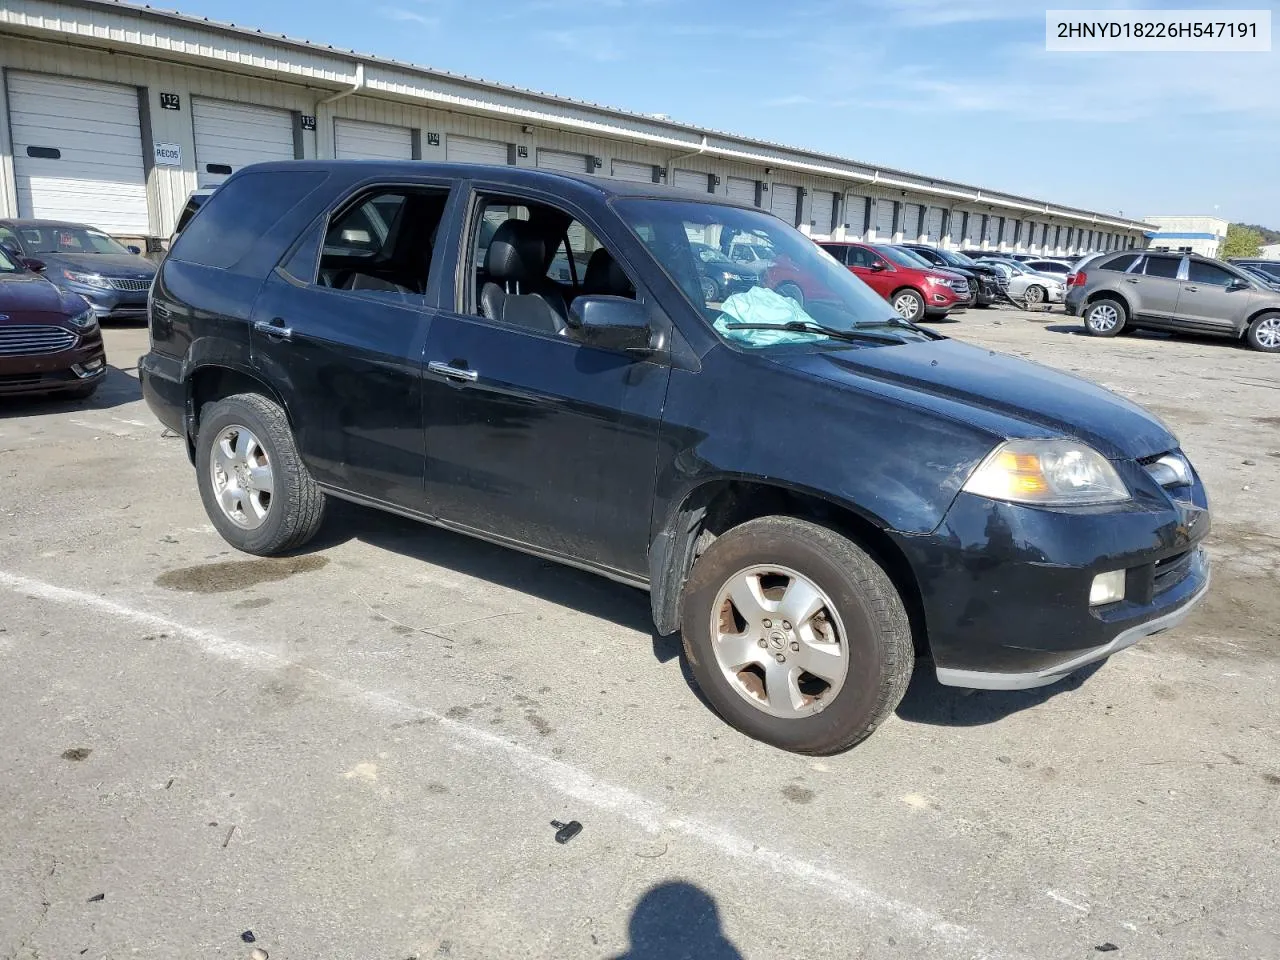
1107, 588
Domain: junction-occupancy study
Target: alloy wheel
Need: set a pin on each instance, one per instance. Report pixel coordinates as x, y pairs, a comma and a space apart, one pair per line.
1268, 333
779, 641
907, 306
242, 477
1104, 317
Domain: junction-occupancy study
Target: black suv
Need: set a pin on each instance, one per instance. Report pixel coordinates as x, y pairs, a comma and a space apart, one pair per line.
984, 286
812, 495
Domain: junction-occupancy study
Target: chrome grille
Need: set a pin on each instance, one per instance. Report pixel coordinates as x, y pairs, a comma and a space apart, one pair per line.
28, 340
122, 283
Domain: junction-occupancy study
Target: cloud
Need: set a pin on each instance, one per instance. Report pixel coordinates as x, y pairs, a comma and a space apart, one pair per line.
403, 15
593, 43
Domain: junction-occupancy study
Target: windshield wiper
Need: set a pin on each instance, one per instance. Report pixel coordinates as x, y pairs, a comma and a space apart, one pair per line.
801, 326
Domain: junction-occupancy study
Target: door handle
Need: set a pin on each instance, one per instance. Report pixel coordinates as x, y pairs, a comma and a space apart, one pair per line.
273, 328
1192, 289
452, 372
1131, 280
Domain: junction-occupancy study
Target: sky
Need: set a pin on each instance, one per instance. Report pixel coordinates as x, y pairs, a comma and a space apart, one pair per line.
956, 89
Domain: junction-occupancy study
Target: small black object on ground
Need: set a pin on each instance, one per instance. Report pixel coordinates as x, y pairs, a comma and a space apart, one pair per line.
248, 936
1107, 947
566, 831
97, 898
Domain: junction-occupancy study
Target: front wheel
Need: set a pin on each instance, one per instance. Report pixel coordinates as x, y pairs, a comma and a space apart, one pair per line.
795, 635
256, 489
1264, 333
710, 293
1105, 318
909, 305
1035, 295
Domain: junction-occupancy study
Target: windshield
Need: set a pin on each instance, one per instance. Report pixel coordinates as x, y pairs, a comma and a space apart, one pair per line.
709, 254
957, 259
805, 285
1012, 265
903, 258
67, 239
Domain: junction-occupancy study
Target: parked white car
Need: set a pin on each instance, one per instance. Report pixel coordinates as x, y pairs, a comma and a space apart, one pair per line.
1027, 286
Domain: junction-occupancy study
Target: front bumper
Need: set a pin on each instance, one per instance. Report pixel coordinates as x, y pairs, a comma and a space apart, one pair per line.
1005, 587
111, 304
83, 363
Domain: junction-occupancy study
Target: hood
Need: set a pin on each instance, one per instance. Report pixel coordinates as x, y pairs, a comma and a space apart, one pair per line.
949, 272
32, 293
107, 264
1049, 402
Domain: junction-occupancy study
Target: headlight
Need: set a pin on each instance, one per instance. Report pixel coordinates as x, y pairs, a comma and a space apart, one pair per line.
85, 320
88, 279
940, 280
1048, 473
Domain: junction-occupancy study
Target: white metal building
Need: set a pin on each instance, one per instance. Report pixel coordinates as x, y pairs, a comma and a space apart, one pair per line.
116, 112
1193, 234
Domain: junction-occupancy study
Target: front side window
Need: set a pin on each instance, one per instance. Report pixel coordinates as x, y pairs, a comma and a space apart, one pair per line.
803, 291
1198, 272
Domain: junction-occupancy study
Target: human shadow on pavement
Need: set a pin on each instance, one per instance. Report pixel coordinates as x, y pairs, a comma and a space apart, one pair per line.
677, 920
928, 701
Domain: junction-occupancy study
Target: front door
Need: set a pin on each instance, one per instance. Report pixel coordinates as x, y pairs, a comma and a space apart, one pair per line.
1208, 300
340, 329
531, 436
873, 270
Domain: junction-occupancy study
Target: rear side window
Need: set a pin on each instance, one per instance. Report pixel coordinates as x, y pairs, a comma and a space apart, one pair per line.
836, 251
1120, 264
239, 213
1163, 267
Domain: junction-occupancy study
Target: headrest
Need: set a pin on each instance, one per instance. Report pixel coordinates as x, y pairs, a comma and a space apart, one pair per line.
605, 278
516, 253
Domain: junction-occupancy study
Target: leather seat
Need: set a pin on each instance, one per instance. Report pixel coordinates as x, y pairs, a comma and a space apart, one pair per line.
517, 289
605, 278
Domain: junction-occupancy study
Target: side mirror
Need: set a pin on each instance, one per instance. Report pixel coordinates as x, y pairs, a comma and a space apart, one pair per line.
1238, 284
614, 323
34, 265
134, 249
877, 266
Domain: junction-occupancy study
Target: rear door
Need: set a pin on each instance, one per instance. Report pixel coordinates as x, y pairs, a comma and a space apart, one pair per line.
1208, 301
341, 325
532, 437
1154, 292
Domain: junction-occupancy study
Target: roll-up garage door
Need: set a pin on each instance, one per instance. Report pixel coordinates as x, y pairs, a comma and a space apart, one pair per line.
973, 230
822, 209
234, 135
77, 152
564, 162
910, 222
784, 201
634, 172
741, 189
993, 224
855, 214
933, 225
1011, 231
358, 140
472, 150
884, 219
691, 180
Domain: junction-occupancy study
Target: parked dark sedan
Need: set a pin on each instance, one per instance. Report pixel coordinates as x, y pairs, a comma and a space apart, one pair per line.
984, 288
83, 260
49, 339
811, 492
719, 276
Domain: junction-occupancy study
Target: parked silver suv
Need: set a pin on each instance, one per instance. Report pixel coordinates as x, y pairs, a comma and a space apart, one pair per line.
1173, 291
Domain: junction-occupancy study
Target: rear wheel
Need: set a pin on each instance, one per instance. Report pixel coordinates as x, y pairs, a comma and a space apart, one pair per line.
795, 635
1105, 318
1264, 333
909, 305
255, 488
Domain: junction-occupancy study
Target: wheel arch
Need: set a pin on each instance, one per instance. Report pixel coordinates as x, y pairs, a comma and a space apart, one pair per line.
1260, 312
720, 504
1115, 295
211, 382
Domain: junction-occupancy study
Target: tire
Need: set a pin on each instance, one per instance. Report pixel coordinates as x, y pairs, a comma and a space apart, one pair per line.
710, 292
856, 606
908, 304
257, 433
792, 292
1105, 317
1264, 333
1035, 295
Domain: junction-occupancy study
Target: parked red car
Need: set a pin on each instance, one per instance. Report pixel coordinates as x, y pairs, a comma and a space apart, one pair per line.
49, 339
916, 289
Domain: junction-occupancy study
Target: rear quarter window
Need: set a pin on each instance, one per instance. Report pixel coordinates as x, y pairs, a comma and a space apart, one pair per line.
1119, 264
239, 213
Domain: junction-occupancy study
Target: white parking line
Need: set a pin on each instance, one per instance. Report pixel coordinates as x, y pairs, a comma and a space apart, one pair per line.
650, 815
